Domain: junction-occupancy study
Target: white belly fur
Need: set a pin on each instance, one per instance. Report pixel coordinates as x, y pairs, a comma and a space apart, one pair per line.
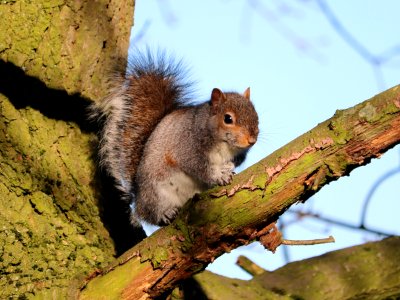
178, 188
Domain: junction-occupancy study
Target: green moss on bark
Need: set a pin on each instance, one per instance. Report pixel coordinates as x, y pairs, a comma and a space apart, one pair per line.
67, 44
222, 288
114, 284
50, 225
369, 271
50, 228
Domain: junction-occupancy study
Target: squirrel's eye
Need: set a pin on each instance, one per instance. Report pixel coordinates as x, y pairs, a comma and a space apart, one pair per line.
228, 119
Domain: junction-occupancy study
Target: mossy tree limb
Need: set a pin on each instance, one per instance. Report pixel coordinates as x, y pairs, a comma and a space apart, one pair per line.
368, 271
249, 266
224, 218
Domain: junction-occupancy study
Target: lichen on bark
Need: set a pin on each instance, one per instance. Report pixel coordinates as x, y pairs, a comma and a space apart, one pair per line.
54, 55
50, 227
369, 271
67, 44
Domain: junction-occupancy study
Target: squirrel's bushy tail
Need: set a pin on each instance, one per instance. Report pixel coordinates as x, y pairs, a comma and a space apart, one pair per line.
152, 86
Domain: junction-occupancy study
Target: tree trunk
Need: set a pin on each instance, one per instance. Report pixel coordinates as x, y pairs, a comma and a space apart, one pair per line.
68, 45
224, 218
53, 58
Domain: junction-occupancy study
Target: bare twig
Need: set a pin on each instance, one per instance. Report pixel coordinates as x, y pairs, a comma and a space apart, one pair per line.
338, 223
142, 32
299, 41
375, 60
329, 239
372, 190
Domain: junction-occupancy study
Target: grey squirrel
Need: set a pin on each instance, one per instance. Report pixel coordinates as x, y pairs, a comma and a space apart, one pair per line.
160, 148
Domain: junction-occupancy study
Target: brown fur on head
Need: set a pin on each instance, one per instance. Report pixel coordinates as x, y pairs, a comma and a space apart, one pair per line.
236, 118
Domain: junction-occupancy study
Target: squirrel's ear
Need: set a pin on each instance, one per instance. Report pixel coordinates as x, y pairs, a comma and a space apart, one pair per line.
246, 94
217, 96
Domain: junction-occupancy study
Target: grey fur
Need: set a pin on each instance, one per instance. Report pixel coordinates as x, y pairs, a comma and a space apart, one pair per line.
159, 149
186, 154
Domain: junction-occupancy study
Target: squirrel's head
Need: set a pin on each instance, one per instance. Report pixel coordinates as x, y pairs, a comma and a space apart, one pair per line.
235, 118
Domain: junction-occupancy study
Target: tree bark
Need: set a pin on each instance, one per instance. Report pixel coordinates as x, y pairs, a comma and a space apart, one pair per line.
369, 271
66, 44
224, 218
53, 57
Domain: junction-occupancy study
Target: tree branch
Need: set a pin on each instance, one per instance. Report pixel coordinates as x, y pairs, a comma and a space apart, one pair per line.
249, 266
224, 218
368, 271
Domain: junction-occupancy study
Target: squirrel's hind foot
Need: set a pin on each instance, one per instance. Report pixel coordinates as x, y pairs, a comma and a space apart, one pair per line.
168, 216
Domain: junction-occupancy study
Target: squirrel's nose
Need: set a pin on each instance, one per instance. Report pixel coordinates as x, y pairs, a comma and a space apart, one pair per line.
252, 140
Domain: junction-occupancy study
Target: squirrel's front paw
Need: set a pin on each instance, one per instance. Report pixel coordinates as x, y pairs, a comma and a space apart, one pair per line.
225, 174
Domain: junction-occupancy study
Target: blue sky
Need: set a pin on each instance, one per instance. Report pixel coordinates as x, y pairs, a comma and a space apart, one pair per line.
300, 69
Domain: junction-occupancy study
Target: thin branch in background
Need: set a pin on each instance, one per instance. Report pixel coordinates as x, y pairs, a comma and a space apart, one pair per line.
376, 61
168, 16
167, 13
344, 33
274, 20
246, 23
285, 250
380, 80
390, 53
282, 8
372, 190
142, 31
302, 214
289, 10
